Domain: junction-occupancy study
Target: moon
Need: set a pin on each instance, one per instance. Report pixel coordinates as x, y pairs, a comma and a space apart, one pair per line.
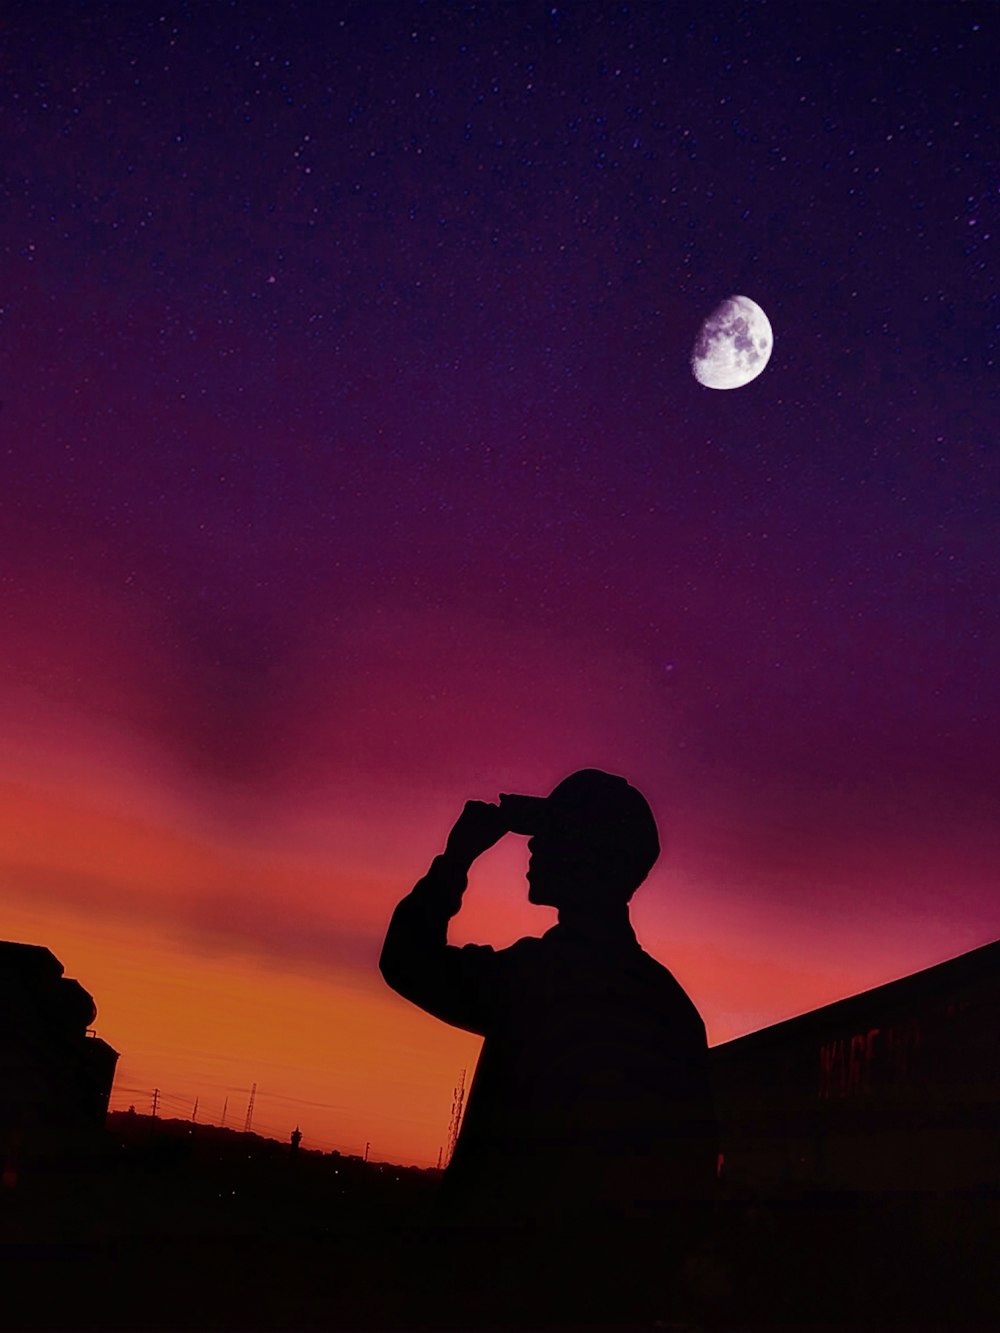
733, 345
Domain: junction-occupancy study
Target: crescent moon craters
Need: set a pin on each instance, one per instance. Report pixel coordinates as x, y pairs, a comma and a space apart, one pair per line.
733, 345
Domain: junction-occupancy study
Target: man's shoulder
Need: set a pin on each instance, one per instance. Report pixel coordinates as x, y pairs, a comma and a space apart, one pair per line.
524, 949
672, 993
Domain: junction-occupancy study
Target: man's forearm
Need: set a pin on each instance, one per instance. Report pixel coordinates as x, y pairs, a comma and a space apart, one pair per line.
418, 932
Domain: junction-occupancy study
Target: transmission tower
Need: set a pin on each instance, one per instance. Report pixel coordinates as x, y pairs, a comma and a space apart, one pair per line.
225, 1108
253, 1094
456, 1114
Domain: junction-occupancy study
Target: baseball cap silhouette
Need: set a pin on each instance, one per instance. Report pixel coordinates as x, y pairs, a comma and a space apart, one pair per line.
600, 810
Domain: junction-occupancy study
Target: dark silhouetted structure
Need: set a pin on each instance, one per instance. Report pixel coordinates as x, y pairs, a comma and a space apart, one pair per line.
589, 1116
897, 1088
861, 1153
55, 1077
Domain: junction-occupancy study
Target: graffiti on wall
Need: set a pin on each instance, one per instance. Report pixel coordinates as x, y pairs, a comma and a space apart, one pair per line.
864, 1062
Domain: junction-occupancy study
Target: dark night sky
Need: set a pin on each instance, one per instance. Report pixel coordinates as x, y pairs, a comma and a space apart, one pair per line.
353, 466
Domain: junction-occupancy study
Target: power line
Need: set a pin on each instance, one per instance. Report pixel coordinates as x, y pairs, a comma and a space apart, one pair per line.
303, 1101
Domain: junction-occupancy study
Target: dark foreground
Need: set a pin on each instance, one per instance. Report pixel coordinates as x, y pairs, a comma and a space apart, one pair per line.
170, 1230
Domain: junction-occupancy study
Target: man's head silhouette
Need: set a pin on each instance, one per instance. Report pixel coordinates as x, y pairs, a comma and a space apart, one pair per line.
593, 840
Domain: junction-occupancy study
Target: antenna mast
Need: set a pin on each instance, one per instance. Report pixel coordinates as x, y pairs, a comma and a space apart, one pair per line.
253, 1094
456, 1114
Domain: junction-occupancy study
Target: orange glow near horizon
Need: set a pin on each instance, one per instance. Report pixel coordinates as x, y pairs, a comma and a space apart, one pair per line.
338, 1056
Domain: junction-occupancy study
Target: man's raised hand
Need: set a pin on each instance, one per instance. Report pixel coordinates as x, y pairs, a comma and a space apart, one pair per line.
477, 828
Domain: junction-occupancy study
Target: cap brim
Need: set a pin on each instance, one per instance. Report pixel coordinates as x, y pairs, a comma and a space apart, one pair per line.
525, 814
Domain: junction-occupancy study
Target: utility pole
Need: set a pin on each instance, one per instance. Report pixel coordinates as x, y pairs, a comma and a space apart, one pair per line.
249, 1119
194, 1113
456, 1114
156, 1098
225, 1107
367, 1146
440, 1155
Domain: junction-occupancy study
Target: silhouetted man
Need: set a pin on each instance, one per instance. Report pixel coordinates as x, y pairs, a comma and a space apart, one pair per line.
589, 1116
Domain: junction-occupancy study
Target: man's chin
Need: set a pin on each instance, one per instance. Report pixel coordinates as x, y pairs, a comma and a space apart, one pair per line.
538, 896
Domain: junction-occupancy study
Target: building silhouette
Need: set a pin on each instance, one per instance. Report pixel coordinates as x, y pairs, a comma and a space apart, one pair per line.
860, 1170
55, 1074
895, 1088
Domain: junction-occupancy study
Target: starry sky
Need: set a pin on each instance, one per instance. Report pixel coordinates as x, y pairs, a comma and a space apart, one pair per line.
352, 466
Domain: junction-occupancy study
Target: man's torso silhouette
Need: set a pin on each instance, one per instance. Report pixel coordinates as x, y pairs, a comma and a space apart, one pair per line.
590, 1103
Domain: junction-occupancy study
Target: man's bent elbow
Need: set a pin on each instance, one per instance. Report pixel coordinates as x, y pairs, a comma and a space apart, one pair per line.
388, 965
396, 967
